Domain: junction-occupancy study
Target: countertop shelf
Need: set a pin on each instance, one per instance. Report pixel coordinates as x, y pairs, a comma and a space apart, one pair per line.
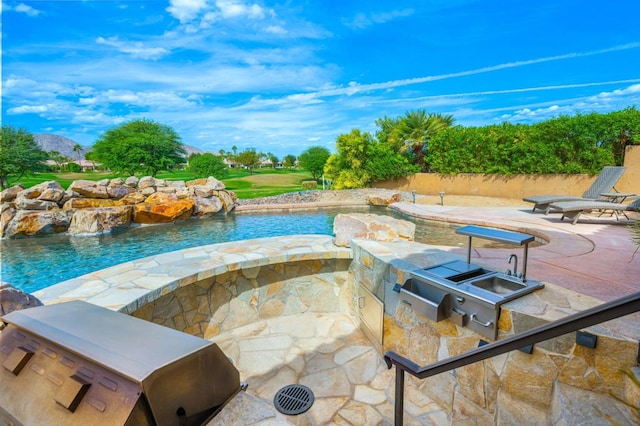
498, 235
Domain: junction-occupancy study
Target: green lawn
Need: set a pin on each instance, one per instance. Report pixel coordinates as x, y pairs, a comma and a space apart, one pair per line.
262, 183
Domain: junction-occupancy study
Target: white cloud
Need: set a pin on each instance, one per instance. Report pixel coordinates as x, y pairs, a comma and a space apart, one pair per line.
602, 102
28, 109
135, 49
361, 20
186, 10
21, 8
276, 29
238, 9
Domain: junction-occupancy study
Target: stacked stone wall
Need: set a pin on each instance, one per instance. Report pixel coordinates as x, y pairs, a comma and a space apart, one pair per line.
233, 299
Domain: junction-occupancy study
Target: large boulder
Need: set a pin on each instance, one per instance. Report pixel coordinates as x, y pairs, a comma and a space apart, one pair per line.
146, 182
384, 201
160, 197
119, 191
201, 191
100, 220
10, 194
371, 227
30, 193
50, 191
90, 203
227, 198
166, 189
165, 212
27, 222
34, 204
12, 299
211, 182
68, 195
7, 212
131, 181
89, 189
205, 206
133, 198
176, 184
147, 190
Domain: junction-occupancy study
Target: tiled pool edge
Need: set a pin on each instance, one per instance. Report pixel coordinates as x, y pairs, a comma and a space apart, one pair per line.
129, 286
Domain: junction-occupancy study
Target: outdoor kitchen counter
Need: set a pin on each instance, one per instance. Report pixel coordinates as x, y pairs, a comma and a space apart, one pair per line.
380, 266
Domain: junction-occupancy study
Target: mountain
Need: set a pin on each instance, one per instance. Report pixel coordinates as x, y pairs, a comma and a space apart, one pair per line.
64, 146
192, 150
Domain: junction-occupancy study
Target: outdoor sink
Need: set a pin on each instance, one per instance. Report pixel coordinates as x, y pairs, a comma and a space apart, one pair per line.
469, 295
453, 273
499, 284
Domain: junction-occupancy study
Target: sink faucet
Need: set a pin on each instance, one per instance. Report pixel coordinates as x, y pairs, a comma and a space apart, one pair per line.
515, 265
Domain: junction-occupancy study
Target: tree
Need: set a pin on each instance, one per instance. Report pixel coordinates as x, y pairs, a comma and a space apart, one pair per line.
289, 161
362, 160
57, 158
19, 155
415, 129
207, 164
249, 158
77, 148
273, 159
314, 159
139, 146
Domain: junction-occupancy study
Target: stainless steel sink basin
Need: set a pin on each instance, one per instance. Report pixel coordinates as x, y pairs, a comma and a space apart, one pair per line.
499, 284
470, 295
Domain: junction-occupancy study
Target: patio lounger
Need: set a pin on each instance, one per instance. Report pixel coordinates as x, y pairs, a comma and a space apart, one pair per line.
606, 180
573, 209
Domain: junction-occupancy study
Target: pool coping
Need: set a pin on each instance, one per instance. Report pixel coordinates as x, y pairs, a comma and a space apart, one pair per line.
128, 286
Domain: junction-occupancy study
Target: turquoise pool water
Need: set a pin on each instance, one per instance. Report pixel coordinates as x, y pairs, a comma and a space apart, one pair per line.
35, 263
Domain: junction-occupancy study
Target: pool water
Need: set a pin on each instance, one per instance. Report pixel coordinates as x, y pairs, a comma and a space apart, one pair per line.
32, 264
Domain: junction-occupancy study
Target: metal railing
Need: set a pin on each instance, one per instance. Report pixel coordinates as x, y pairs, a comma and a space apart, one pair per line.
592, 316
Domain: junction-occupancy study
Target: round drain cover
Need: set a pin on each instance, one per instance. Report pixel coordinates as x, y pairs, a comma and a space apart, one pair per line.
293, 399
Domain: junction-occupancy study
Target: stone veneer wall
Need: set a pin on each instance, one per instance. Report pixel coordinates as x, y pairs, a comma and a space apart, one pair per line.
513, 388
237, 298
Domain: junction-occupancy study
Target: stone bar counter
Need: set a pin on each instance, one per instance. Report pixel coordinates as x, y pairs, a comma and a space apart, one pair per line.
543, 387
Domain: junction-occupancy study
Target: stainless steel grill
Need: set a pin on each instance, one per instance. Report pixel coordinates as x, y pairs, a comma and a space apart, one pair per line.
76, 363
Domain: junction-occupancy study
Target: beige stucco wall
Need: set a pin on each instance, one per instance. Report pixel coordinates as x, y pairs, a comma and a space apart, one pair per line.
516, 186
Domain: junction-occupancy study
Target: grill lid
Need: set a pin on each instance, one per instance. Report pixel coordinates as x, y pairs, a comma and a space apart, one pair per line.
120, 343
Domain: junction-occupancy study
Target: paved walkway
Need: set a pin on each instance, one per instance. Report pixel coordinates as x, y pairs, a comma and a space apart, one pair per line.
328, 354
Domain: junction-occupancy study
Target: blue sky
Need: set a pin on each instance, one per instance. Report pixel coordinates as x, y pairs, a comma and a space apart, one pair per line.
281, 76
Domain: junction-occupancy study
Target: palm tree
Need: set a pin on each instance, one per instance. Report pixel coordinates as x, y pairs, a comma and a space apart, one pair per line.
77, 148
415, 129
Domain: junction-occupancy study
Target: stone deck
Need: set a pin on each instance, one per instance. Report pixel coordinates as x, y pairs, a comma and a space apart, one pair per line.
328, 354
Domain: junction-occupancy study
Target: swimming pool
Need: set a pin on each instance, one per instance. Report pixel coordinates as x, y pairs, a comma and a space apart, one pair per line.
32, 264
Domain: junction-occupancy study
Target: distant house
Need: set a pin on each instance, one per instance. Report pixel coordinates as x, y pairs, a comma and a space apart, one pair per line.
231, 164
85, 165
88, 165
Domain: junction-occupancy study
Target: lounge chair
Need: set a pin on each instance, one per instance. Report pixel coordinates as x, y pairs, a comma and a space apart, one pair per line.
573, 209
604, 183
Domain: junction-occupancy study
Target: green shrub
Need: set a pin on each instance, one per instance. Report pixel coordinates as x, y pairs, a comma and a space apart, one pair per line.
73, 168
309, 184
